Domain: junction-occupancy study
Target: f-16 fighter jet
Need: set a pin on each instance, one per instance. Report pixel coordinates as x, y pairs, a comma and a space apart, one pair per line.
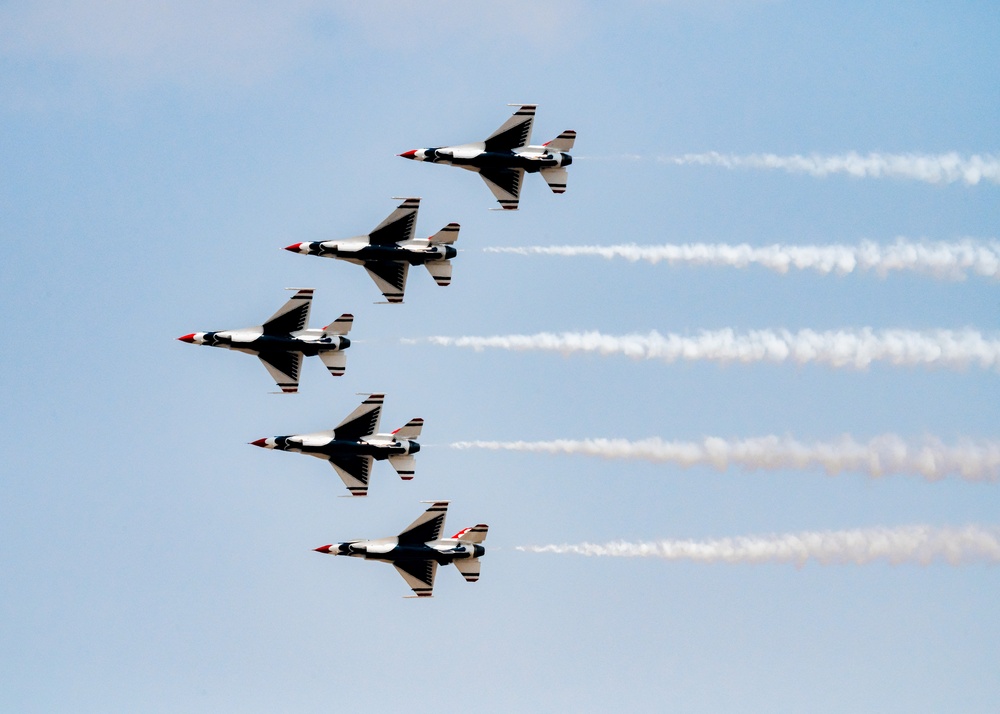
388, 251
416, 552
505, 155
351, 446
283, 339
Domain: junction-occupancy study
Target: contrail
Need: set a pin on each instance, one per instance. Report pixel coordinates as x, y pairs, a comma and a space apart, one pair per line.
843, 348
909, 544
951, 260
931, 168
883, 455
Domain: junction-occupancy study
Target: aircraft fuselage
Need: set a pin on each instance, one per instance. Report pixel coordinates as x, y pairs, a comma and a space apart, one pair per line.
443, 551
363, 253
530, 158
380, 449
309, 342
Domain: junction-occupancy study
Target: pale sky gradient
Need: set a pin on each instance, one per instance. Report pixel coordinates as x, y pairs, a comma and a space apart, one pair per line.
157, 157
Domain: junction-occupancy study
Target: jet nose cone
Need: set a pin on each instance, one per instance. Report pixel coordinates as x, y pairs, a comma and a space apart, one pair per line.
259, 442
187, 338
323, 549
411, 154
294, 247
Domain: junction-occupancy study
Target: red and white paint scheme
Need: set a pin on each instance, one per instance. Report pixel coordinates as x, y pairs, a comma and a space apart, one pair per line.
419, 549
283, 340
354, 443
503, 158
391, 248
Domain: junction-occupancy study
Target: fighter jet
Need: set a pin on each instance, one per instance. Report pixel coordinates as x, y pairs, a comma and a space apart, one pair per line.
388, 251
416, 552
505, 155
351, 446
283, 339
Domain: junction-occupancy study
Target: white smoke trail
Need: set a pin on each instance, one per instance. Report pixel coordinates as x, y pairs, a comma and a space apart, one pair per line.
843, 348
954, 260
880, 456
909, 544
931, 168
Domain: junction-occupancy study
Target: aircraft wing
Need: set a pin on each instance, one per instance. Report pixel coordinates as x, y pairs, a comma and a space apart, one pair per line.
513, 133
292, 316
390, 277
354, 471
284, 368
398, 226
363, 421
428, 525
419, 575
505, 185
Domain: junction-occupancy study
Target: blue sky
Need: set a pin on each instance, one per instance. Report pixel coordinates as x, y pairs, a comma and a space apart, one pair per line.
156, 159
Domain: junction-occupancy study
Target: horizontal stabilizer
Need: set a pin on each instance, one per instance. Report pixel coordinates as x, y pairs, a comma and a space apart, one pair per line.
411, 430
555, 178
336, 362
340, 326
475, 534
405, 465
469, 569
440, 270
448, 234
563, 142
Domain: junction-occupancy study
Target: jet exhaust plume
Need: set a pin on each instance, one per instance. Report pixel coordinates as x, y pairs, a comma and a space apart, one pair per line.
949, 260
930, 168
881, 456
909, 544
856, 349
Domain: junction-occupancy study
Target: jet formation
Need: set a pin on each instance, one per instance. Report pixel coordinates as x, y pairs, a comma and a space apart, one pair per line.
419, 549
504, 156
354, 443
386, 253
390, 249
283, 340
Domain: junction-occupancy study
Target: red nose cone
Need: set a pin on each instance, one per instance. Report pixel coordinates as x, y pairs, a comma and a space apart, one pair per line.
187, 338
323, 549
259, 442
294, 247
408, 154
